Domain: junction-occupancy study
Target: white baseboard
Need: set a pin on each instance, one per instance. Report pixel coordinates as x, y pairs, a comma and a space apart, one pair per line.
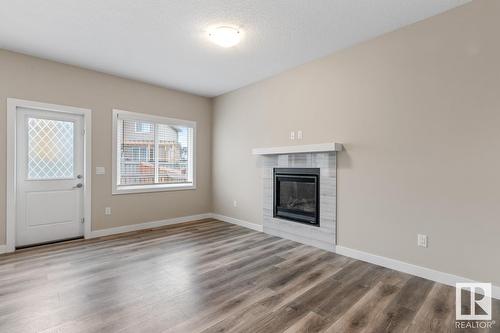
161, 223
147, 225
241, 223
401, 266
3, 249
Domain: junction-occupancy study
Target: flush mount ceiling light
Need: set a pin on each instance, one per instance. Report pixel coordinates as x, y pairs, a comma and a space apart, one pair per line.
225, 36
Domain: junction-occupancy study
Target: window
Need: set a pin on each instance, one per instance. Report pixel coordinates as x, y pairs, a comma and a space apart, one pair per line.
152, 153
143, 127
50, 149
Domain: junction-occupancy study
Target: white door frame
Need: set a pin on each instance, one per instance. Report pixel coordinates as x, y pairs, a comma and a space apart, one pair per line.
12, 105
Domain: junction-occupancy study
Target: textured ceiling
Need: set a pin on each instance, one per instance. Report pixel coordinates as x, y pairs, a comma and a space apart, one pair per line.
165, 42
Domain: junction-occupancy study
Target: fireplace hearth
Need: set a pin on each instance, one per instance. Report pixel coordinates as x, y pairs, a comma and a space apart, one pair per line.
296, 195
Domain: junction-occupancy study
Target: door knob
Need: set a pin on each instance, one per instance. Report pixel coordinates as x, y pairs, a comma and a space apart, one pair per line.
79, 176
78, 185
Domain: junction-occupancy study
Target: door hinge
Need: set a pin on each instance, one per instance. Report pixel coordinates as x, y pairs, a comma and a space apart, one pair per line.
83, 220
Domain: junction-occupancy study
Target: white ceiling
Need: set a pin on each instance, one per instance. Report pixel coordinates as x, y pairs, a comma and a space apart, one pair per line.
165, 41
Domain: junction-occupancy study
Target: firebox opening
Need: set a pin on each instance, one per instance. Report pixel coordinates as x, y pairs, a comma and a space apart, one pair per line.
296, 195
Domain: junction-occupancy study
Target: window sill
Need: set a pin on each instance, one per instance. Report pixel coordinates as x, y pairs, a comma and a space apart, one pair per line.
152, 188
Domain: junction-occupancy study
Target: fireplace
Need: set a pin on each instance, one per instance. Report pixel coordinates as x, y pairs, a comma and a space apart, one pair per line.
296, 195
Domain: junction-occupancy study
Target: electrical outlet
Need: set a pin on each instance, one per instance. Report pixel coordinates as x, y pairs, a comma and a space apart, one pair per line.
292, 135
299, 135
107, 211
422, 240
235, 203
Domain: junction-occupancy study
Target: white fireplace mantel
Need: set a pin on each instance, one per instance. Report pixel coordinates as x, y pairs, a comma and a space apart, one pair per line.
314, 148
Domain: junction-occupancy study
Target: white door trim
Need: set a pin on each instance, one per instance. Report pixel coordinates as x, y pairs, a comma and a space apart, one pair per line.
12, 105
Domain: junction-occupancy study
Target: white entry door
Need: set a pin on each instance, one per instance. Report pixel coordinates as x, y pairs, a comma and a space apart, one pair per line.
49, 176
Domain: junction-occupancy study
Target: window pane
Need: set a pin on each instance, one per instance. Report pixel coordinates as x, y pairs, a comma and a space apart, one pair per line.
50, 149
137, 152
174, 154
153, 153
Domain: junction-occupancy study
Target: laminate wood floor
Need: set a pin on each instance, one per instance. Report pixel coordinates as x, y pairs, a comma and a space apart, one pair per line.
210, 276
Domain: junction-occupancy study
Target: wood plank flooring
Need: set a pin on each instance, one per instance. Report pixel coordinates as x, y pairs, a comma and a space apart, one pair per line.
210, 276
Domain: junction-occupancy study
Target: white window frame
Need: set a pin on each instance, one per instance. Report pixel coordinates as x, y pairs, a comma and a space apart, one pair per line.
127, 189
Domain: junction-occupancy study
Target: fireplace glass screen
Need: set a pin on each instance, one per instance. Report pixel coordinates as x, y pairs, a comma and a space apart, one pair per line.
296, 194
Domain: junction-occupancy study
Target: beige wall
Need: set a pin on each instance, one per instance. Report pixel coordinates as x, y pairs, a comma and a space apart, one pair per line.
419, 113
45, 81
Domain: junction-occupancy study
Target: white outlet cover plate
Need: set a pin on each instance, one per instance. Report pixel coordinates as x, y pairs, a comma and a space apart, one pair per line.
422, 240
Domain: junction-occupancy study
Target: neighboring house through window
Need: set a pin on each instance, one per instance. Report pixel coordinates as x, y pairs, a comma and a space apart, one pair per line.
152, 153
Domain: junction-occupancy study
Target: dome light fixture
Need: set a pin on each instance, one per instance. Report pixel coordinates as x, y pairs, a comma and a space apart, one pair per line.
225, 36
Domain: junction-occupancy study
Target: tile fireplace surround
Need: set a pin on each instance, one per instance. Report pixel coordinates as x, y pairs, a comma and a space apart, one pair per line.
324, 236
